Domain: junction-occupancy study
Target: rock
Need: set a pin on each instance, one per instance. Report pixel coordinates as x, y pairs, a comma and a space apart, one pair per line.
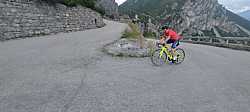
127, 48
109, 6
190, 17
204, 15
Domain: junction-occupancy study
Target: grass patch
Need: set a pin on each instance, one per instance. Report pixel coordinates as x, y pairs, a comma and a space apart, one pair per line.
151, 35
132, 32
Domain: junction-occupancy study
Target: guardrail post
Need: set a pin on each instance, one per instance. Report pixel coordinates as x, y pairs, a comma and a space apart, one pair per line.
190, 39
227, 41
211, 40
245, 42
198, 39
222, 41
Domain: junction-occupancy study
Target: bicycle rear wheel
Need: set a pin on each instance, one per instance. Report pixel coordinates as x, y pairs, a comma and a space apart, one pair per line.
158, 60
180, 55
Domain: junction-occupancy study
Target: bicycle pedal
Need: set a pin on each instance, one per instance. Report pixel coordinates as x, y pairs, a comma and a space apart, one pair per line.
169, 59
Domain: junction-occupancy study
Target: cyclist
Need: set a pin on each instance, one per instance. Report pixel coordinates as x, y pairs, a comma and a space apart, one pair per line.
170, 37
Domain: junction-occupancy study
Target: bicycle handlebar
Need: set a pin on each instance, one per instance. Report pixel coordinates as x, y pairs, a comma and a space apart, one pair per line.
159, 45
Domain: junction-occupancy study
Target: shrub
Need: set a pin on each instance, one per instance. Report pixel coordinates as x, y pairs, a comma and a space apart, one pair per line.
151, 46
149, 34
86, 3
100, 10
132, 32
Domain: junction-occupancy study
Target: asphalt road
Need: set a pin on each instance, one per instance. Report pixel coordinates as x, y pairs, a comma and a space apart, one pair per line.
69, 73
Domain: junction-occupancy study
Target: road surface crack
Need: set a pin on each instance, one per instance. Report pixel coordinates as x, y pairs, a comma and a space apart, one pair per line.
69, 103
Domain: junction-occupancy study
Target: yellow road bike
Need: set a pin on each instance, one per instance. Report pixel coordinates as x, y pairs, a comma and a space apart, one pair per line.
163, 55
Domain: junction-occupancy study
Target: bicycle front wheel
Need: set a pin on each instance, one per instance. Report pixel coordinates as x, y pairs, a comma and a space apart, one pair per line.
157, 59
180, 55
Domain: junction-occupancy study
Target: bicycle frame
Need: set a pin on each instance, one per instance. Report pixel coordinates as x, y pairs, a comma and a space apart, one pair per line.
165, 49
164, 55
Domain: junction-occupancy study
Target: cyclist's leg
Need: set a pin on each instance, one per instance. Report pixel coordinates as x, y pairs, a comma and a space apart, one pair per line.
170, 41
174, 45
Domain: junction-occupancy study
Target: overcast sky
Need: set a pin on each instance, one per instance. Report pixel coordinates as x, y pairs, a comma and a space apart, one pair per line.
236, 5
120, 1
233, 5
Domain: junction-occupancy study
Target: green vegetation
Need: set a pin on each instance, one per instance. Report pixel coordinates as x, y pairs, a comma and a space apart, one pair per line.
133, 32
86, 3
156, 9
100, 10
149, 35
151, 7
229, 34
239, 20
209, 33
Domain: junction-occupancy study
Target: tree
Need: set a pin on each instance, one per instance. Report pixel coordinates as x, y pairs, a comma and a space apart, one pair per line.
86, 3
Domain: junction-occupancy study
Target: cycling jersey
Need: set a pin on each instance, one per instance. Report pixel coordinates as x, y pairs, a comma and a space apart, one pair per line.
172, 34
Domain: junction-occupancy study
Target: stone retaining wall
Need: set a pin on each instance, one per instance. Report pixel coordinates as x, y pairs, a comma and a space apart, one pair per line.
28, 18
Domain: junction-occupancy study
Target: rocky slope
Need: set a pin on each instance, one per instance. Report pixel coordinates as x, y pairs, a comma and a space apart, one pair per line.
245, 14
192, 17
109, 6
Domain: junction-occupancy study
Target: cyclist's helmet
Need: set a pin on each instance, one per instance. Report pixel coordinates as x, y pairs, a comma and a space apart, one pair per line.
165, 27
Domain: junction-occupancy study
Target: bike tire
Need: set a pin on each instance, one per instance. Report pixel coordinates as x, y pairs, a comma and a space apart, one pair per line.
180, 55
155, 58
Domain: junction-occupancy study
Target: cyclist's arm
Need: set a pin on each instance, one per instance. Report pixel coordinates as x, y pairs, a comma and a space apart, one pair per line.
167, 38
162, 40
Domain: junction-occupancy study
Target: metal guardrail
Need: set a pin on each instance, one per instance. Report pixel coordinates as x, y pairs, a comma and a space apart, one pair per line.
239, 43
